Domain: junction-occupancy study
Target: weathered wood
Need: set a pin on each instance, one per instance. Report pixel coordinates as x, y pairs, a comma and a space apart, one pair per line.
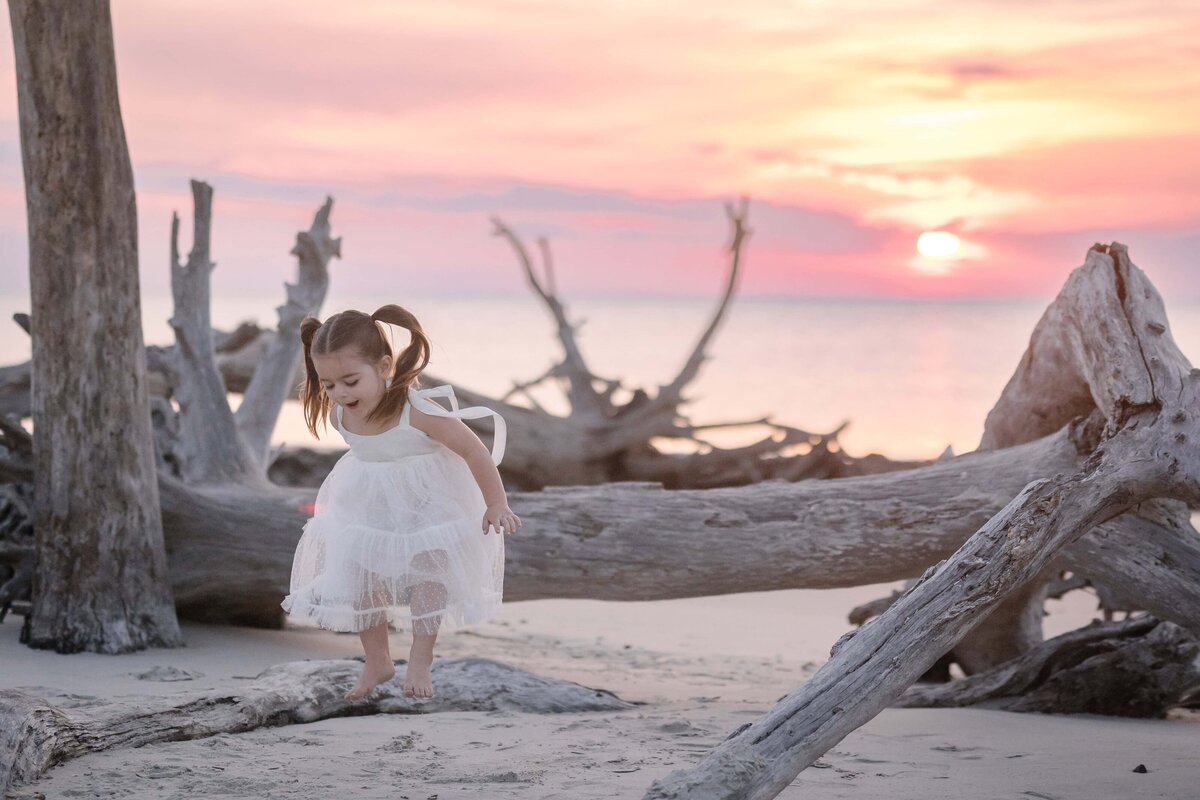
1139, 667
1013, 627
600, 440
230, 546
97, 515
872, 666
1148, 393
274, 379
215, 445
36, 735
207, 445
613, 542
1055, 380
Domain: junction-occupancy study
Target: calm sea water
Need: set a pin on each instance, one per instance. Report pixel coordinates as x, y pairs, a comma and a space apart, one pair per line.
911, 377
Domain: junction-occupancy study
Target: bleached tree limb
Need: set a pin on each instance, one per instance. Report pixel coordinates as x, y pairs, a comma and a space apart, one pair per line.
210, 449
274, 379
36, 735
670, 394
615, 441
581, 392
214, 445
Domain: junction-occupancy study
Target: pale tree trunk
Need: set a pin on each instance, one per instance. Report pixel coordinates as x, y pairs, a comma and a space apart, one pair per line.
100, 579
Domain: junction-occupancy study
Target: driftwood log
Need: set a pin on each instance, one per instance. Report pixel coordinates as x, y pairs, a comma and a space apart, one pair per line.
1138, 667
603, 542
1146, 396
35, 735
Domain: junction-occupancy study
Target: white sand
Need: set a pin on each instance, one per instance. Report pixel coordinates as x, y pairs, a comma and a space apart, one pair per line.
702, 667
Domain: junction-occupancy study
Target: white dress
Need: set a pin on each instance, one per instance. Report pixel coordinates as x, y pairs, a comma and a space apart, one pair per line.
397, 531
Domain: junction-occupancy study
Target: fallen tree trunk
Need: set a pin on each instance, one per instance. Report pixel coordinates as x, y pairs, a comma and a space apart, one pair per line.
1138, 667
1149, 394
606, 542
230, 547
36, 735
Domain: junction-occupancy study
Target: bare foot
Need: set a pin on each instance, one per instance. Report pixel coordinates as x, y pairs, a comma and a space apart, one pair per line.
417, 681
372, 676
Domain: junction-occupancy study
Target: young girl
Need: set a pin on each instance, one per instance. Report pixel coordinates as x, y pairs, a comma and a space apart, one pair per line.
398, 519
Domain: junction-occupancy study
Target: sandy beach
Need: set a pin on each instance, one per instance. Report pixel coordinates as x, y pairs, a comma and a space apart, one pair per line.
696, 668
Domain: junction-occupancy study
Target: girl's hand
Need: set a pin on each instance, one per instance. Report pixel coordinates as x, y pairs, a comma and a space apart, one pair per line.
501, 517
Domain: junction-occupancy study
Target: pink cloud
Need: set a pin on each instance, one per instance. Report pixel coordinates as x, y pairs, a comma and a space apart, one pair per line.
618, 130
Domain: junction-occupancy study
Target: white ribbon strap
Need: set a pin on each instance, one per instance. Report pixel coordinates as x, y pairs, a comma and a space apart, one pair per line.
419, 398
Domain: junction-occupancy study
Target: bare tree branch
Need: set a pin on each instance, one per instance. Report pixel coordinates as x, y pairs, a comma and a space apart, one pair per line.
210, 449
273, 381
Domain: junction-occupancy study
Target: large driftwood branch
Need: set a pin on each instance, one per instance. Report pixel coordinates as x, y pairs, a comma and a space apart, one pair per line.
612, 542
274, 379
209, 449
601, 441
1139, 667
1149, 394
36, 735
1083, 331
868, 671
214, 445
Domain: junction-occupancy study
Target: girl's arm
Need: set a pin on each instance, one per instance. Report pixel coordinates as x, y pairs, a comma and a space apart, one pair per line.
455, 435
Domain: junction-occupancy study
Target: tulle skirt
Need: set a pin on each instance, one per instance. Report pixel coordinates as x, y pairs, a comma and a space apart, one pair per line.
398, 540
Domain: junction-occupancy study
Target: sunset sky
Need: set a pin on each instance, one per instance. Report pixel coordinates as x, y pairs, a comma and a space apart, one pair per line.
1029, 130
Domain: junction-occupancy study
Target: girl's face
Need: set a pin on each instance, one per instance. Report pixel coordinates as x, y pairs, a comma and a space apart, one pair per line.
350, 381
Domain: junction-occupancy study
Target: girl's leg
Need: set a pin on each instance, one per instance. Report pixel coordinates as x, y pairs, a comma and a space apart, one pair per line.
379, 667
427, 597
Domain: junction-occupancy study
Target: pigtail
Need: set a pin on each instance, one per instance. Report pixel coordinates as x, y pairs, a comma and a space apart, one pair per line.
313, 399
413, 358
408, 364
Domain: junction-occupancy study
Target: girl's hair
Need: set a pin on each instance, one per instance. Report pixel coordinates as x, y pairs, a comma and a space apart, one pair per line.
365, 335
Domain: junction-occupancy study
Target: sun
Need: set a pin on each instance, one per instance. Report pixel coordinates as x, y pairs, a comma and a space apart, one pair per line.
938, 244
